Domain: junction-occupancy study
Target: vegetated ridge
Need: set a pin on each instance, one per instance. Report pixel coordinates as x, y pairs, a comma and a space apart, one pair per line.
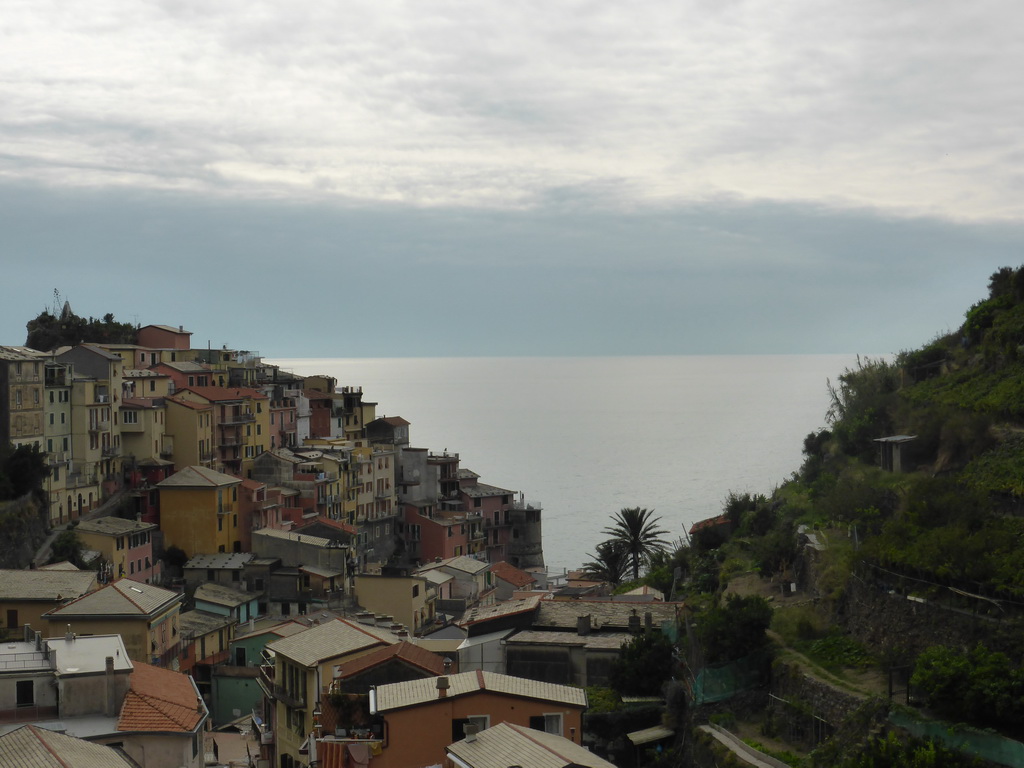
903, 534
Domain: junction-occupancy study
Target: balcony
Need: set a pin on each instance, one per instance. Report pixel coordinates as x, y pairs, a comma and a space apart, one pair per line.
282, 695
229, 441
239, 418
111, 450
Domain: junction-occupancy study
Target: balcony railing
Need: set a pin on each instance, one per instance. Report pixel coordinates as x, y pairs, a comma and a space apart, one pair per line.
239, 418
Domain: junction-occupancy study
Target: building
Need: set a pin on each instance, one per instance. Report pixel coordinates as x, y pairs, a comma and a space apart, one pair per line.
40, 747
506, 744
303, 667
423, 717
89, 688
411, 600
241, 424
126, 545
199, 511
21, 397
26, 595
145, 616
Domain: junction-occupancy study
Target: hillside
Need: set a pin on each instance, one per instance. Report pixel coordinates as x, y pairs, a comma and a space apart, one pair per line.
903, 535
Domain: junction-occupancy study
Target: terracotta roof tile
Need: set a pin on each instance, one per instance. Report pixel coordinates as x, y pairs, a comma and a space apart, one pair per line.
160, 700
405, 651
511, 574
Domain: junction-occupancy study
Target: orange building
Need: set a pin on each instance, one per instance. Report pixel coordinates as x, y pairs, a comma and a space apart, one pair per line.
422, 717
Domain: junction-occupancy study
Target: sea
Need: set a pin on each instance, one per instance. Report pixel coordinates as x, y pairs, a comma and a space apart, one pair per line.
587, 436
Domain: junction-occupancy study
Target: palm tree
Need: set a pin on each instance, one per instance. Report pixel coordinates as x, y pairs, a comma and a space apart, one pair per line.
639, 534
610, 563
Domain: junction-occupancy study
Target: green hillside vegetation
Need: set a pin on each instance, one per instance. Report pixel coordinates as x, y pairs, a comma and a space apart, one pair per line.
948, 527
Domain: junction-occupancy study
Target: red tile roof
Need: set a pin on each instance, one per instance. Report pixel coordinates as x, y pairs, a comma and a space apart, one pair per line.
331, 523
514, 576
160, 700
429, 662
216, 394
711, 522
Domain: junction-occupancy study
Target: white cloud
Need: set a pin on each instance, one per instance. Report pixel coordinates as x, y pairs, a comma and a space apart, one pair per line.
909, 108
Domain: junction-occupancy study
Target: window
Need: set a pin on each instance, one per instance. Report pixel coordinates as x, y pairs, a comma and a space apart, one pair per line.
26, 693
63, 416
477, 502
482, 723
51, 416
549, 723
415, 590
131, 417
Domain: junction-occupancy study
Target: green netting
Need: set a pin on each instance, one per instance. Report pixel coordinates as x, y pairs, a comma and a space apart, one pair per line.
726, 680
670, 629
988, 746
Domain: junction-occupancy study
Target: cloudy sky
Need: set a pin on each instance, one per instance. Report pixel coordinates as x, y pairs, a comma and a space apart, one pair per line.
439, 178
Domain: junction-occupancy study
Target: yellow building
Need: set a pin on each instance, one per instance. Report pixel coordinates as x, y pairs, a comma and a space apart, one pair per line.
25, 595
241, 423
95, 470
126, 545
410, 600
145, 616
188, 432
199, 511
304, 667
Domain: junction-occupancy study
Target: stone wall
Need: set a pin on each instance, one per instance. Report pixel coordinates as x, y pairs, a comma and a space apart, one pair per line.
810, 696
902, 625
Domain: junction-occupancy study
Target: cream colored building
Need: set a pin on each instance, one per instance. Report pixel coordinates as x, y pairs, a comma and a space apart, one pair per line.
304, 668
409, 599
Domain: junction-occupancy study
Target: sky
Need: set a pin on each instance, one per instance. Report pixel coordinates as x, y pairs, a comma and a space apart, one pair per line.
435, 178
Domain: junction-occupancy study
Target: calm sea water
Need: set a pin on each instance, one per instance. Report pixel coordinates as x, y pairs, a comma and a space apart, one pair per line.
586, 436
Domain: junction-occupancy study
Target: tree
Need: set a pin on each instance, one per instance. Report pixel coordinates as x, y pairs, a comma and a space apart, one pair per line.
639, 533
610, 563
22, 469
734, 629
67, 547
645, 662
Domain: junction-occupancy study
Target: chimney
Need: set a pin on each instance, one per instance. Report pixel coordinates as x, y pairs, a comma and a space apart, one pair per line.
447, 665
442, 686
470, 729
112, 706
648, 621
583, 625
634, 623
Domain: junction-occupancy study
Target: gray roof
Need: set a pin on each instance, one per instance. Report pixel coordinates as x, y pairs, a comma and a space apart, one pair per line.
122, 598
325, 573
506, 744
600, 641
33, 747
199, 623
113, 526
603, 614
334, 638
198, 477
303, 538
413, 692
222, 595
230, 560
482, 489
45, 585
